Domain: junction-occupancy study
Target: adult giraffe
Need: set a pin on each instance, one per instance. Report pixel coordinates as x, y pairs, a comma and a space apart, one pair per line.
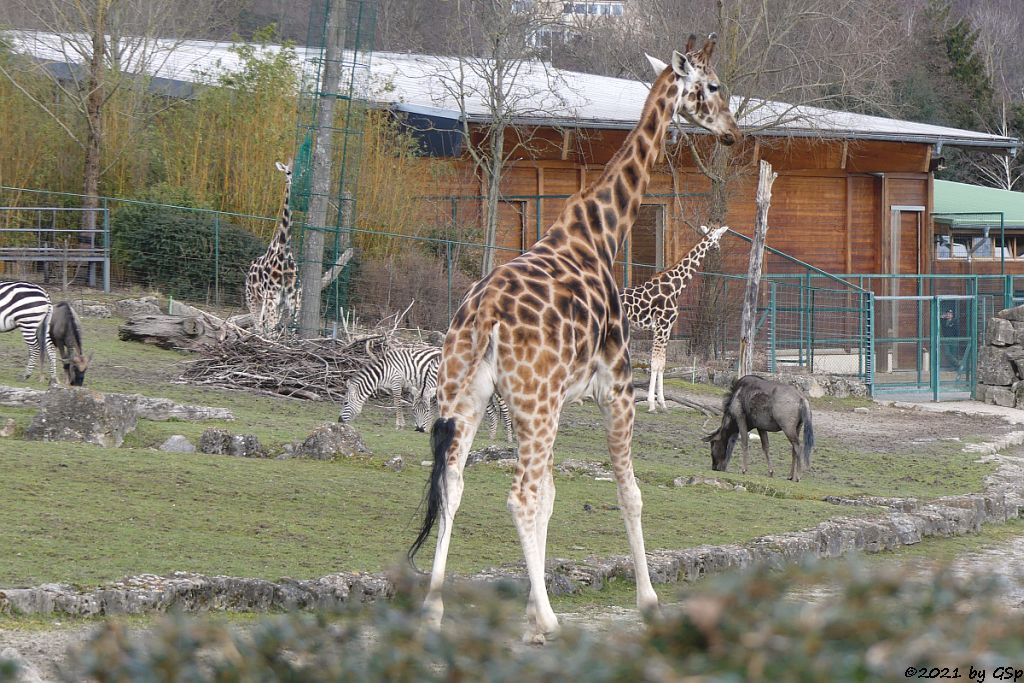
271, 286
652, 306
547, 327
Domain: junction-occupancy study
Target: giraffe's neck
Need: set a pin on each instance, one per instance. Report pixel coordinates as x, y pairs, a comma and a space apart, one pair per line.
686, 268
282, 235
626, 176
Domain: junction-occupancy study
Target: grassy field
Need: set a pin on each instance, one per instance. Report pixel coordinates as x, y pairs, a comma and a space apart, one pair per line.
82, 514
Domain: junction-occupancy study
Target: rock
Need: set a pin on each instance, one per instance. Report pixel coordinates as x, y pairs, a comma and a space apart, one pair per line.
220, 442
697, 480
178, 444
1015, 314
395, 464
1018, 394
590, 469
10, 426
331, 440
78, 414
492, 454
999, 332
980, 392
27, 673
147, 305
995, 367
862, 410
1000, 396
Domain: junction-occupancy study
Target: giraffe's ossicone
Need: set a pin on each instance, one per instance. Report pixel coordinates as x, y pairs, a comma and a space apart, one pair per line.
548, 327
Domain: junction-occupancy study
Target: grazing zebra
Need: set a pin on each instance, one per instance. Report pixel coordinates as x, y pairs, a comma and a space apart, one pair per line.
27, 307
404, 369
424, 411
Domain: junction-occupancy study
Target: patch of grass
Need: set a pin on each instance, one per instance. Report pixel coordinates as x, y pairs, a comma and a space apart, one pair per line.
82, 514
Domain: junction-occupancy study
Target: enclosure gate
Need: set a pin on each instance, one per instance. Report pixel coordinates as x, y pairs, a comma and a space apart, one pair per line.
925, 346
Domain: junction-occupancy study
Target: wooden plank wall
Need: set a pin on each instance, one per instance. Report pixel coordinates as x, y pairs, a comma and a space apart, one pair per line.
830, 204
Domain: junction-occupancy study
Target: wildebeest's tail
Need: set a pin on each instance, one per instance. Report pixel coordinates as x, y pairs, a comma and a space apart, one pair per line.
441, 437
805, 417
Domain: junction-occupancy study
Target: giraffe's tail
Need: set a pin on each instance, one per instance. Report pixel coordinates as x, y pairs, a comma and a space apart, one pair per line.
441, 438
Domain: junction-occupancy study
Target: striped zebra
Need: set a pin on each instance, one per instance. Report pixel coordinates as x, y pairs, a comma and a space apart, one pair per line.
424, 411
27, 307
410, 369
413, 371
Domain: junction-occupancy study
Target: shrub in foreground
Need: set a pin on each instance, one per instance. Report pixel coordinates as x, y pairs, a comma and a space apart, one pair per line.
809, 624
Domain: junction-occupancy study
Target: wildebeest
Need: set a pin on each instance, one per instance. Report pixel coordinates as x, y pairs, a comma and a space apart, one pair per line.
757, 403
66, 334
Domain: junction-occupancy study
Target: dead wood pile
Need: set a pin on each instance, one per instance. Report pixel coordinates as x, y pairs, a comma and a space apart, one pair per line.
314, 369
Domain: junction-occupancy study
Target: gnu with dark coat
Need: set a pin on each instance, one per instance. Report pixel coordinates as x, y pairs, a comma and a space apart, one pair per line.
66, 334
757, 403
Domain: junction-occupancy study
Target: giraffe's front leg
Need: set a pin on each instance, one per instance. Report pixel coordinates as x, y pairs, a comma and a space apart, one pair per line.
656, 395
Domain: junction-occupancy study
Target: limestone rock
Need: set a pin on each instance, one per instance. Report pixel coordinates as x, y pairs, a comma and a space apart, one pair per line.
178, 444
492, 454
395, 464
999, 332
147, 305
78, 414
862, 410
220, 442
332, 440
995, 367
696, 480
981, 392
10, 426
590, 469
27, 672
1015, 314
1000, 396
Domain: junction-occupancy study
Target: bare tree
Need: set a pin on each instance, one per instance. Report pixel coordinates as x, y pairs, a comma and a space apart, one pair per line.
497, 82
999, 24
111, 47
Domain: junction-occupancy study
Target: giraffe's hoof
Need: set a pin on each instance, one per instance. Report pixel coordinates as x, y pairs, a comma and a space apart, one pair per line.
771, 473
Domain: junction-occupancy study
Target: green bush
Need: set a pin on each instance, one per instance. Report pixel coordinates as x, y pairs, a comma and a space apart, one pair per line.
811, 624
176, 249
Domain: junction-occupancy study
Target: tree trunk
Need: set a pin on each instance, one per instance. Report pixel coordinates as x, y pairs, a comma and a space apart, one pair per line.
712, 300
94, 130
493, 172
311, 265
748, 319
190, 332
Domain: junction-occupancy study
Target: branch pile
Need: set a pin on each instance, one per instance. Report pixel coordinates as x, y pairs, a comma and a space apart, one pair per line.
314, 369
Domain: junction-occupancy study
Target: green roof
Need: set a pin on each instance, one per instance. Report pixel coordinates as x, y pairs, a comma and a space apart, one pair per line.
974, 205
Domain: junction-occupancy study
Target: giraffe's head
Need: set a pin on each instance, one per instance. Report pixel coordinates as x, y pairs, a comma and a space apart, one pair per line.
713, 236
700, 98
286, 169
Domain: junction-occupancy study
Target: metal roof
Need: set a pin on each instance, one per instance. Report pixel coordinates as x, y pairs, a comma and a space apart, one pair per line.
973, 205
540, 94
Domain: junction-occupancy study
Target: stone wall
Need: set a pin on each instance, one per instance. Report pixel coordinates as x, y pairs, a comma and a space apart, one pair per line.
1001, 360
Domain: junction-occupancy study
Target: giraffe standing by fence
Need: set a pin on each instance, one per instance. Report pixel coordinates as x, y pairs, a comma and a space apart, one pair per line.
271, 286
652, 306
548, 327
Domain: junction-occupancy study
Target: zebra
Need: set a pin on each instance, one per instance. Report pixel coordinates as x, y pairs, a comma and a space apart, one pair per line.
412, 369
424, 411
27, 307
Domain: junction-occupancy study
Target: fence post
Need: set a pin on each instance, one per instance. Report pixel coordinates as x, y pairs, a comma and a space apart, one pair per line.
870, 361
935, 342
773, 311
216, 258
448, 262
1007, 291
106, 246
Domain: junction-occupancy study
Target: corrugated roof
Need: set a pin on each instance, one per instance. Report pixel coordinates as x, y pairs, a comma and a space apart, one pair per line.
977, 205
541, 94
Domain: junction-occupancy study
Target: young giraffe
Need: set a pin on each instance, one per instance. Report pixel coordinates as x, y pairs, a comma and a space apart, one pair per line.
652, 306
546, 328
271, 287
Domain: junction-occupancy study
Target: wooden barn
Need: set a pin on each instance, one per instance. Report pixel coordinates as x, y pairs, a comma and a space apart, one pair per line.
855, 193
